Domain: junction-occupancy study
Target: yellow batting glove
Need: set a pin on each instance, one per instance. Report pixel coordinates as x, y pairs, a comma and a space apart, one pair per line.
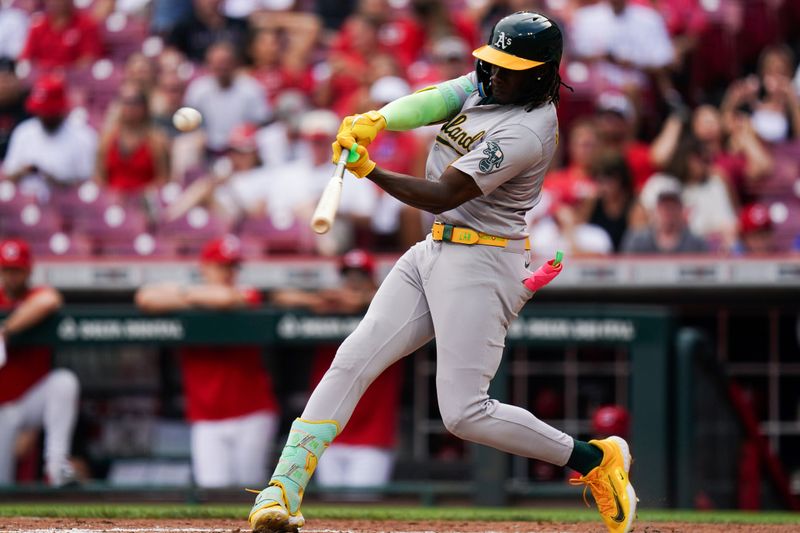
361, 129
360, 167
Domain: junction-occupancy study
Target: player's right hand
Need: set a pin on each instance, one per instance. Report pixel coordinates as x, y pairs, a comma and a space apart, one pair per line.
361, 166
360, 129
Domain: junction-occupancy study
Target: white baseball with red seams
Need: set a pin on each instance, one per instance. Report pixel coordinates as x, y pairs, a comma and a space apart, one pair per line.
187, 119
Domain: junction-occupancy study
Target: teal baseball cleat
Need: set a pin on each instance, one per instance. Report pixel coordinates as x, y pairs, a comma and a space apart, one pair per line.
271, 513
277, 507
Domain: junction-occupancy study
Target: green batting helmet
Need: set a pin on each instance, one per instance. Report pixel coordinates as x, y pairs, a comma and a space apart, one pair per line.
521, 41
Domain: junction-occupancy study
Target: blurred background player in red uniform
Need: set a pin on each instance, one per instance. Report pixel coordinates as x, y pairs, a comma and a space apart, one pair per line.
363, 453
610, 420
229, 397
32, 394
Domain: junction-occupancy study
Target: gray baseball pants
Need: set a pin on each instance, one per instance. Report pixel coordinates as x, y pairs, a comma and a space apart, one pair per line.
52, 404
465, 297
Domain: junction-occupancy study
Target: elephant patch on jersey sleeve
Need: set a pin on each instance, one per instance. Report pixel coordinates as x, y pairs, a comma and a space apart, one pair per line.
493, 159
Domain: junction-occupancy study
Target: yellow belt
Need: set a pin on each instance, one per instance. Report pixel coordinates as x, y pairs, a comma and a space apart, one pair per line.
458, 235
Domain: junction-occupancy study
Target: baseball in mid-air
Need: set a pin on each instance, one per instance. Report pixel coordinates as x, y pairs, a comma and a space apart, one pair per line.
187, 119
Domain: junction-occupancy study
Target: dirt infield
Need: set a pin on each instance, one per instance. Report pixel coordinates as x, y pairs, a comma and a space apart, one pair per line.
92, 525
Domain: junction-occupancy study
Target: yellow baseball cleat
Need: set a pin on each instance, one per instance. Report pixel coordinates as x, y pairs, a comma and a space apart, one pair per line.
612, 491
270, 513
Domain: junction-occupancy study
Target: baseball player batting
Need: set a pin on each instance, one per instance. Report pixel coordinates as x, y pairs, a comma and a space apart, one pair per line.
463, 284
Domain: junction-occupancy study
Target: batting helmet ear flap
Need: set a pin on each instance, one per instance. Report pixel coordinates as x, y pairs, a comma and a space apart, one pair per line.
484, 73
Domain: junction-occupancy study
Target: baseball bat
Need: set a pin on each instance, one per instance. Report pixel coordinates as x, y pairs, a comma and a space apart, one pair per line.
328, 204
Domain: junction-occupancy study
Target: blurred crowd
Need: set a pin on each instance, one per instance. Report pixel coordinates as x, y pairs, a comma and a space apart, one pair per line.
679, 132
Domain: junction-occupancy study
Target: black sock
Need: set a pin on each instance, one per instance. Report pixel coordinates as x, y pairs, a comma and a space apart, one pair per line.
584, 457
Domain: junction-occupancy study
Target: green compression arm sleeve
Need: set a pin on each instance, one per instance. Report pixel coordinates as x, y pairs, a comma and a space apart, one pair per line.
427, 106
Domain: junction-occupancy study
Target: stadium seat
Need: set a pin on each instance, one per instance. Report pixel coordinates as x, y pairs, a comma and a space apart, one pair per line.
123, 35
115, 221
284, 235
88, 200
31, 223
62, 245
253, 248
142, 245
113, 226
191, 231
101, 83
11, 201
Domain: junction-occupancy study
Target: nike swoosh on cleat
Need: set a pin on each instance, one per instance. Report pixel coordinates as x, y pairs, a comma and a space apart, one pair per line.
620, 516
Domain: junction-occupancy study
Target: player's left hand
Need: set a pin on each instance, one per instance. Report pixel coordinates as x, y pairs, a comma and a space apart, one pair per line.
361, 166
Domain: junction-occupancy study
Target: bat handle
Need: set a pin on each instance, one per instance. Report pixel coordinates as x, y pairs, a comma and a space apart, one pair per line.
340, 164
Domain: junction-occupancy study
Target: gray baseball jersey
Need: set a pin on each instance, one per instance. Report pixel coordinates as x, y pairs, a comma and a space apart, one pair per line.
464, 295
505, 149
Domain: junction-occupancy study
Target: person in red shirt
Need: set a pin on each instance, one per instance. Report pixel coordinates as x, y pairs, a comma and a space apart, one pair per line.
133, 153
280, 51
62, 36
363, 453
230, 401
576, 177
32, 395
615, 120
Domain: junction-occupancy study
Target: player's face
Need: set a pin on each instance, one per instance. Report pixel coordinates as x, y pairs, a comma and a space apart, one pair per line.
508, 85
358, 280
243, 159
218, 274
759, 242
14, 280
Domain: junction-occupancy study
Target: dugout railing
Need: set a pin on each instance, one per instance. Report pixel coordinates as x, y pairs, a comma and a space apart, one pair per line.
717, 432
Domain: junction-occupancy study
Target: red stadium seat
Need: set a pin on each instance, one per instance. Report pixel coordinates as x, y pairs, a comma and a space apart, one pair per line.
191, 231
142, 245
278, 236
11, 201
123, 35
88, 200
115, 222
31, 223
62, 245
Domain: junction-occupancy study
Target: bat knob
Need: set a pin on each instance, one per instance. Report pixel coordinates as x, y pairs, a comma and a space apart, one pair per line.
320, 225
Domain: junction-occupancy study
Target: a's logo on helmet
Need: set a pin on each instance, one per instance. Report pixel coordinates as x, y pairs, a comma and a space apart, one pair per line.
502, 41
494, 156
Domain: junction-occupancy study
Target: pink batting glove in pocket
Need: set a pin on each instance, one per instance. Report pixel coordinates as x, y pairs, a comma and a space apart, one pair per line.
544, 275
